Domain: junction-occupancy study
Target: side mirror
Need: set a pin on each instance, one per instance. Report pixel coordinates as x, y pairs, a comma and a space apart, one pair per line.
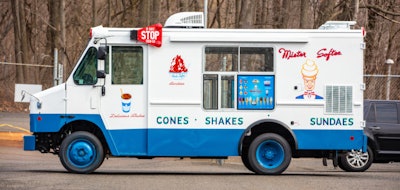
101, 74
102, 52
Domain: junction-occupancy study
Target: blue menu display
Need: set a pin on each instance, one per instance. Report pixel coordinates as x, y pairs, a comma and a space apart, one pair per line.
256, 92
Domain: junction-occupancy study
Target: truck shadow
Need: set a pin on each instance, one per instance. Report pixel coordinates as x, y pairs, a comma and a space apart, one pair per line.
180, 173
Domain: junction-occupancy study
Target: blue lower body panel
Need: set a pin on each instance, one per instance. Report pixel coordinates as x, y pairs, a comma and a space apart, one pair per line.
194, 142
330, 139
176, 142
129, 142
220, 142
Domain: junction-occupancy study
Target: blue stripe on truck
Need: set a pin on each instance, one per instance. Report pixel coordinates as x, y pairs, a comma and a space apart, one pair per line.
194, 142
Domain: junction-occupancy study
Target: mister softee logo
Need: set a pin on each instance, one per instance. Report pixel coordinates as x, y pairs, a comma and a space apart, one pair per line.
178, 70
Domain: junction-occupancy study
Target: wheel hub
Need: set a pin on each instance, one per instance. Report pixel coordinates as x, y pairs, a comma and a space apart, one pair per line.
357, 158
81, 153
269, 154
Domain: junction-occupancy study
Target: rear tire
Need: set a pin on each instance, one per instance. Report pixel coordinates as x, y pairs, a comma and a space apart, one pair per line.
81, 152
356, 160
269, 154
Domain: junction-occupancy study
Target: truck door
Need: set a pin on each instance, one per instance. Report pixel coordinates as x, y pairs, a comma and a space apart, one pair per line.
81, 97
123, 107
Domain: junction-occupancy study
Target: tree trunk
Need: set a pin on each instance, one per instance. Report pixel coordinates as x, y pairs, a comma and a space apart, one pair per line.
21, 39
63, 55
285, 14
238, 14
108, 21
247, 17
94, 15
304, 14
54, 21
144, 11
155, 12
53, 29
356, 5
325, 12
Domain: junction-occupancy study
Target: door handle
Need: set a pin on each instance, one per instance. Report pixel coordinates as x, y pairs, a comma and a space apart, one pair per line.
67, 116
374, 128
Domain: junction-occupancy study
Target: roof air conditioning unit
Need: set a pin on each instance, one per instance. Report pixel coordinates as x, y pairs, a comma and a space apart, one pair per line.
185, 20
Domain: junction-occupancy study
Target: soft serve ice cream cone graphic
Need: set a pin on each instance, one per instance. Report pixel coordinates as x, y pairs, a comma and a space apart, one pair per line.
309, 71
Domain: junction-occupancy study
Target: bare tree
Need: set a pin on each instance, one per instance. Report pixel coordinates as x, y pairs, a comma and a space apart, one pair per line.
31, 29
238, 11
304, 14
63, 45
246, 19
155, 12
144, 11
325, 12
21, 38
94, 10
287, 7
216, 19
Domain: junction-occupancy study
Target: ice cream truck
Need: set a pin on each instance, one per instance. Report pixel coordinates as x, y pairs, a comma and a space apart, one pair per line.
182, 90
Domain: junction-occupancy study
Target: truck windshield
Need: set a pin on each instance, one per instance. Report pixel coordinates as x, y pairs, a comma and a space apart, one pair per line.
85, 74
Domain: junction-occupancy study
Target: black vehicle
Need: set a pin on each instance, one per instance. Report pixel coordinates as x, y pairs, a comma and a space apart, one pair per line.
383, 132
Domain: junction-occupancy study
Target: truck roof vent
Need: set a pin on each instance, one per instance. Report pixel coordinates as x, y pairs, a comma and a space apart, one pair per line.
185, 20
337, 25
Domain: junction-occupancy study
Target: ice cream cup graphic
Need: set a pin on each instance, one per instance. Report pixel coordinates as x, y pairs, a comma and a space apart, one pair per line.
126, 102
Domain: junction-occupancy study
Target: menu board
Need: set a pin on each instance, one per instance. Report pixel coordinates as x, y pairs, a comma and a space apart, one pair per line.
256, 92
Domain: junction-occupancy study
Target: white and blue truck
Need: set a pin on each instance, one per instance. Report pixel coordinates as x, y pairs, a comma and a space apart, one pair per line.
182, 90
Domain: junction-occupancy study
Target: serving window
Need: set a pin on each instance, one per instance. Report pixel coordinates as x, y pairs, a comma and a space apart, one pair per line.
221, 68
256, 59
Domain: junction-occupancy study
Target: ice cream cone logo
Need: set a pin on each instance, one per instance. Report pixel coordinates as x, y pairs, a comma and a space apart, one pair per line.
309, 71
178, 65
178, 69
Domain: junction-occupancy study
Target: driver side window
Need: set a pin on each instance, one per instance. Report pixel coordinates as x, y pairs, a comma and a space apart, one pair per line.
85, 74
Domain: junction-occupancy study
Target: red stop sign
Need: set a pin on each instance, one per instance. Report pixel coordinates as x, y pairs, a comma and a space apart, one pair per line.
151, 35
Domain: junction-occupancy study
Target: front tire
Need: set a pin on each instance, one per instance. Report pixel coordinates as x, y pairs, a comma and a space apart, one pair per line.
81, 152
246, 162
356, 160
269, 154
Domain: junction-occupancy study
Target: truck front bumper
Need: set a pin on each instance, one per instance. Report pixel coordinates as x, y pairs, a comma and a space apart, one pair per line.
29, 142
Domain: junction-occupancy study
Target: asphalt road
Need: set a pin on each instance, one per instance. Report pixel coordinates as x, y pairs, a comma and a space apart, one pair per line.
32, 170
14, 122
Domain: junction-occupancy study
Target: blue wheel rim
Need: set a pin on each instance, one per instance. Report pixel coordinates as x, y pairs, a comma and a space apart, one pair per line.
81, 153
270, 154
